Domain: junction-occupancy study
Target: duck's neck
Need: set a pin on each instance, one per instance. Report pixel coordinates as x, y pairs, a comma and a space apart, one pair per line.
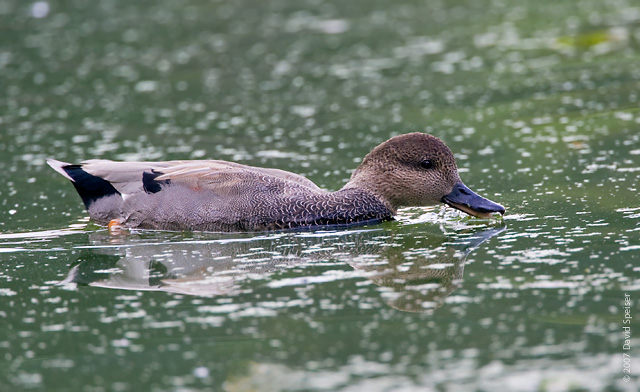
371, 188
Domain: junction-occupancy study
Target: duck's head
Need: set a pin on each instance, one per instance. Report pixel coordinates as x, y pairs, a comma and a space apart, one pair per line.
417, 169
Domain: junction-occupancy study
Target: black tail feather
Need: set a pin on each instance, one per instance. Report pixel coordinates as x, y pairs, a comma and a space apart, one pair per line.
90, 187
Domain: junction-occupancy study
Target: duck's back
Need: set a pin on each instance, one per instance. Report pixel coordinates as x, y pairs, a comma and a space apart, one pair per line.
212, 196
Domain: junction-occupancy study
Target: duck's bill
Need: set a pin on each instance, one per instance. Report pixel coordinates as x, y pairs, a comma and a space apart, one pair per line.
465, 200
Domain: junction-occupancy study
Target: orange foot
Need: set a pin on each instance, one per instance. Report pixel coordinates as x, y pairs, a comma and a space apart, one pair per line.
115, 227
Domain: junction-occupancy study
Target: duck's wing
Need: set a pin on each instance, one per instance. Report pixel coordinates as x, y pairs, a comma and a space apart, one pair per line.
129, 178
214, 174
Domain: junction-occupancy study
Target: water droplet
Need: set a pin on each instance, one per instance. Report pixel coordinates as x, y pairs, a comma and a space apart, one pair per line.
40, 9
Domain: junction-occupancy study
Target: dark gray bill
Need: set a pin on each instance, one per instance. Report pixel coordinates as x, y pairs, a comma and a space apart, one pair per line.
464, 199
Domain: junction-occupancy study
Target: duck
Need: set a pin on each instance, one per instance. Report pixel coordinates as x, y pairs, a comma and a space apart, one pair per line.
414, 169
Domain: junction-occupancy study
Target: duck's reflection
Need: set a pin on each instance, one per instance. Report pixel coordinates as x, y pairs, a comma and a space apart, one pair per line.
416, 272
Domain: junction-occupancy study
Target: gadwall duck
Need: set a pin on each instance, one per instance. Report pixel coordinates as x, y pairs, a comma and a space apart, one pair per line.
414, 169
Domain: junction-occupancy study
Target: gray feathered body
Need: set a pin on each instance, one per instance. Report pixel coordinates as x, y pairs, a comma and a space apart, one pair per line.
179, 208
213, 196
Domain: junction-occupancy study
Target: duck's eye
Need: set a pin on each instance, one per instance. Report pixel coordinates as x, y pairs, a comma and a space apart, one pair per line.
426, 164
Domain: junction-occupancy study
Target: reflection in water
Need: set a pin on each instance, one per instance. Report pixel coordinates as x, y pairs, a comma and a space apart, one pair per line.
417, 280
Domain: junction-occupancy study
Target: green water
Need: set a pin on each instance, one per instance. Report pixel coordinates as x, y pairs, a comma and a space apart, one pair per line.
537, 100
